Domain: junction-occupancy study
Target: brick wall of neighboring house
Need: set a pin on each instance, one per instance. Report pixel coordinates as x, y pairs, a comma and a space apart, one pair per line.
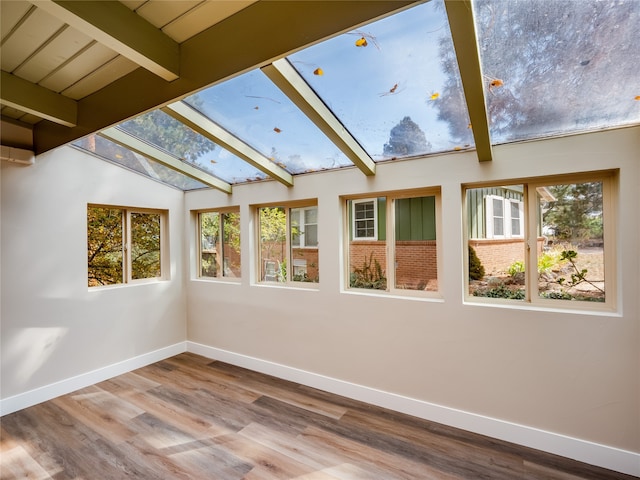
308, 256
497, 255
417, 261
417, 266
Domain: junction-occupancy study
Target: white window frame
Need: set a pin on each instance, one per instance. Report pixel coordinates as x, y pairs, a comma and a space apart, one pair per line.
292, 267
127, 268
506, 218
529, 216
220, 212
390, 235
354, 220
302, 218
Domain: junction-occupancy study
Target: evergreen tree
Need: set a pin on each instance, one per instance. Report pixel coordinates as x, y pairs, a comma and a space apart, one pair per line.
406, 139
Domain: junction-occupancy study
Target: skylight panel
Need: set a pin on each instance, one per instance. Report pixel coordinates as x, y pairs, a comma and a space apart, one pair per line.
159, 129
119, 155
253, 109
555, 67
394, 84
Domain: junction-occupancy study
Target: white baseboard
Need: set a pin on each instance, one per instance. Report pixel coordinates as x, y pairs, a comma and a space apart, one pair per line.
42, 394
584, 451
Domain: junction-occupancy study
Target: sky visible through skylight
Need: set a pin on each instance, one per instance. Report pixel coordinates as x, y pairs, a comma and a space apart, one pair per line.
550, 67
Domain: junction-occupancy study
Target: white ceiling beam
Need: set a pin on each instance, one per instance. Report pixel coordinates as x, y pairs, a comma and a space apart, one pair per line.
117, 27
135, 144
28, 97
214, 132
287, 79
463, 31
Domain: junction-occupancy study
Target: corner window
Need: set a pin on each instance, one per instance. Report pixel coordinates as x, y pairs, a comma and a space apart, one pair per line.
543, 242
123, 245
288, 238
219, 234
392, 243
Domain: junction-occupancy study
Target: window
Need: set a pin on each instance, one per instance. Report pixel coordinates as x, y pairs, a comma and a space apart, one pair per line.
545, 242
219, 233
123, 245
392, 243
504, 217
365, 219
289, 236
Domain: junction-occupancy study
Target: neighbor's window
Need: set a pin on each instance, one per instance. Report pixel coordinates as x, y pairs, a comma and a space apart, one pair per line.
219, 244
553, 250
123, 245
289, 244
392, 243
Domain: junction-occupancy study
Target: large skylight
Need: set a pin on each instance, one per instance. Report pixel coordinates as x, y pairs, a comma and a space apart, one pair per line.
386, 83
252, 108
392, 89
558, 66
114, 153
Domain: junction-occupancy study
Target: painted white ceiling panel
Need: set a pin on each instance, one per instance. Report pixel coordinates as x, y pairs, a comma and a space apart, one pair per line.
10, 14
55, 53
79, 67
202, 17
36, 29
107, 73
159, 13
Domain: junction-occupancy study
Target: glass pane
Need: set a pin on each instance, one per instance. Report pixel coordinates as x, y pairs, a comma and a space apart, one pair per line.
209, 244
104, 246
168, 134
496, 265
231, 264
295, 226
253, 109
114, 153
557, 66
273, 257
394, 84
416, 265
571, 254
145, 245
304, 258
367, 258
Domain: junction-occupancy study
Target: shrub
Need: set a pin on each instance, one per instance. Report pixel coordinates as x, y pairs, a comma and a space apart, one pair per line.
476, 269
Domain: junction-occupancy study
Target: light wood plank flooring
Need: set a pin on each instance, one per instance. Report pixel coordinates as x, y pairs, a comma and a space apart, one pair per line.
190, 418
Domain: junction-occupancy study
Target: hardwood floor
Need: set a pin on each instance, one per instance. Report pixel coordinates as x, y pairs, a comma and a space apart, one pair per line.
190, 418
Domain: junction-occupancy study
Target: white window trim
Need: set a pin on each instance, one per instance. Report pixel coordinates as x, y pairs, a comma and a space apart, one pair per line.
126, 246
198, 273
375, 218
302, 211
506, 219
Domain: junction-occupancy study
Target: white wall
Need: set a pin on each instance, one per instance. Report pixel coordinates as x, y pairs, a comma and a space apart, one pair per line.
53, 327
571, 374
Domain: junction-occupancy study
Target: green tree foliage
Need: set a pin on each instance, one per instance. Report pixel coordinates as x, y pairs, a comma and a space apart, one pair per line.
576, 214
562, 64
104, 246
406, 139
145, 245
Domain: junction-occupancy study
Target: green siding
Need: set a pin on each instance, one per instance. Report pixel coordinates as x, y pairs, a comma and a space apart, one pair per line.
416, 218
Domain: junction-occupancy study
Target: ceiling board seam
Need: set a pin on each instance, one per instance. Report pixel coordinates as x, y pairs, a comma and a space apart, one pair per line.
18, 24
95, 70
171, 22
67, 62
39, 49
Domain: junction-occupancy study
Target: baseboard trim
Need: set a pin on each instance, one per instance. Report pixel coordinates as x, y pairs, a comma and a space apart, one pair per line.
48, 392
584, 451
